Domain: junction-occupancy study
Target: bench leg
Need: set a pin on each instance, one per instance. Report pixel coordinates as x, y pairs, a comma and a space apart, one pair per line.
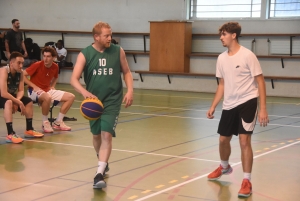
169, 79
141, 77
51, 114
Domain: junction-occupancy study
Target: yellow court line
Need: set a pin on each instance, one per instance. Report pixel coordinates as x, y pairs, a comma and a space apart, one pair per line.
205, 175
146, 191
184, 177
159, 186
132, 197
266, 148
258, 151
291, 141
274, 146
173, 181
282, 143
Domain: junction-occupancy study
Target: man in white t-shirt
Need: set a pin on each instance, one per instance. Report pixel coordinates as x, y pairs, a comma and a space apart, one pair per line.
241, 82
61, 54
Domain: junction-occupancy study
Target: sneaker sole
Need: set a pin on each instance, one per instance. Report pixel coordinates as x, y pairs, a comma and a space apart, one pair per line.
59, 129
31, 136
8, 141
244, 195
100, 184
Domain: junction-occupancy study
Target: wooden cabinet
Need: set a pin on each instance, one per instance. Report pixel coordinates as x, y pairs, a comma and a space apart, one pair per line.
170, 46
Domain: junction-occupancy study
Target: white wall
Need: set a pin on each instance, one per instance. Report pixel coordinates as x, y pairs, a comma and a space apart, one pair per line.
134, 16
122, 15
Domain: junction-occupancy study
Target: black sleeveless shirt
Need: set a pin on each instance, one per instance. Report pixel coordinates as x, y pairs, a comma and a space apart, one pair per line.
13, 81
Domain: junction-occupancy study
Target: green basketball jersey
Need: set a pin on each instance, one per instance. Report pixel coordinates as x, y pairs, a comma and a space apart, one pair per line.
102, 75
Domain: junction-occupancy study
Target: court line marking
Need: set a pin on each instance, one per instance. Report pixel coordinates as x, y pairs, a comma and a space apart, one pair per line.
284, 103
202, 118
163, 115
204, 175
122, 150
189, 109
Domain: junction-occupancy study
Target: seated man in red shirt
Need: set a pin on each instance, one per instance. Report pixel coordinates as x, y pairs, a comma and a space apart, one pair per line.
41, 89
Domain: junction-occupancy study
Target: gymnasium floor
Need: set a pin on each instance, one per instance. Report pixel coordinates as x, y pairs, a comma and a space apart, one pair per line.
164, 149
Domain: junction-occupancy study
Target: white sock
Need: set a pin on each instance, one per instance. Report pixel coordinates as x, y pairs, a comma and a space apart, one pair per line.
60, 117
45, 118
224, 164
101, 167
247, 176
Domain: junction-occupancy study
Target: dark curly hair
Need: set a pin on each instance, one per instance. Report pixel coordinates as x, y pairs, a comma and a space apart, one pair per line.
231, 27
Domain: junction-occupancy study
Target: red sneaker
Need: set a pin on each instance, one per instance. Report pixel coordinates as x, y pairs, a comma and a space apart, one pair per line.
246, 189
219, 172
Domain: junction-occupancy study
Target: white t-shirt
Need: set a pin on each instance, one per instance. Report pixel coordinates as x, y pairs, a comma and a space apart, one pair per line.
238, 72
62, 51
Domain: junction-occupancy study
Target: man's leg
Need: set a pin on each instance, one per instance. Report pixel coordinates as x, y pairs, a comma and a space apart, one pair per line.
11, 136
103, 146
44, 102
67, 100
224, 147
247, 161
29, 132
247, 153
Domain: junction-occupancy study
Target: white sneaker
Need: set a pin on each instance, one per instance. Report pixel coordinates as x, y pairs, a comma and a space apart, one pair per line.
47, 127
60, 126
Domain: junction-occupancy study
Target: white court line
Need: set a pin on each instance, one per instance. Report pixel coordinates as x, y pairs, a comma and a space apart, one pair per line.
190, 109
200, 177
162, 115
121, 150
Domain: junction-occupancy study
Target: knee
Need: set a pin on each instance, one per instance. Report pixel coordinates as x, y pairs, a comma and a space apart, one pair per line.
30, 104
106, 137
8, 104
45, 98
71, 97
224, 140
96, 137
245, 143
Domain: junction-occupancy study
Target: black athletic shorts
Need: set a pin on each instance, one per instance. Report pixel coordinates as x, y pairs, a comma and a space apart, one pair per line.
239, 120
25, 100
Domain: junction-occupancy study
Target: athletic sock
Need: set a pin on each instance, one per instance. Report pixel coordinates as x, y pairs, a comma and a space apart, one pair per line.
224, 164
60, 117
101, 167
247, 176
9, 127
29, 124
45, 118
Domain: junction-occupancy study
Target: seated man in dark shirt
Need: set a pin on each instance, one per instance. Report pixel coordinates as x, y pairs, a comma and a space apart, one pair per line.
33, 51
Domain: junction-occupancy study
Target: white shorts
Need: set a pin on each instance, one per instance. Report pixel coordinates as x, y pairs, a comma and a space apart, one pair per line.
56, 95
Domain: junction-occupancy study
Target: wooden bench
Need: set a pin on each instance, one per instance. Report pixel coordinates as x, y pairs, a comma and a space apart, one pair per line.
174, 73
133, 53
272, 78
281, 57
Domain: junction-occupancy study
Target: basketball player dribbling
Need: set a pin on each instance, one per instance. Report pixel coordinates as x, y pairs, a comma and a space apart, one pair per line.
102, 63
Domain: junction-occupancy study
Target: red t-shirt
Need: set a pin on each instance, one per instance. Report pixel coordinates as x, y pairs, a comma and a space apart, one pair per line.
42, 76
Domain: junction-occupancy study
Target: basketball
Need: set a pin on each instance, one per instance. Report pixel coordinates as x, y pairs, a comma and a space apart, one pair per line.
91, 108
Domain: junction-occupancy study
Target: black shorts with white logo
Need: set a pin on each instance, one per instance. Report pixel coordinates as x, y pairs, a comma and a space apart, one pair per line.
25, 100
239, 120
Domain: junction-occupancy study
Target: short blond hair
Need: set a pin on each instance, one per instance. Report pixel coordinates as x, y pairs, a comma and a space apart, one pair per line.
97, 29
